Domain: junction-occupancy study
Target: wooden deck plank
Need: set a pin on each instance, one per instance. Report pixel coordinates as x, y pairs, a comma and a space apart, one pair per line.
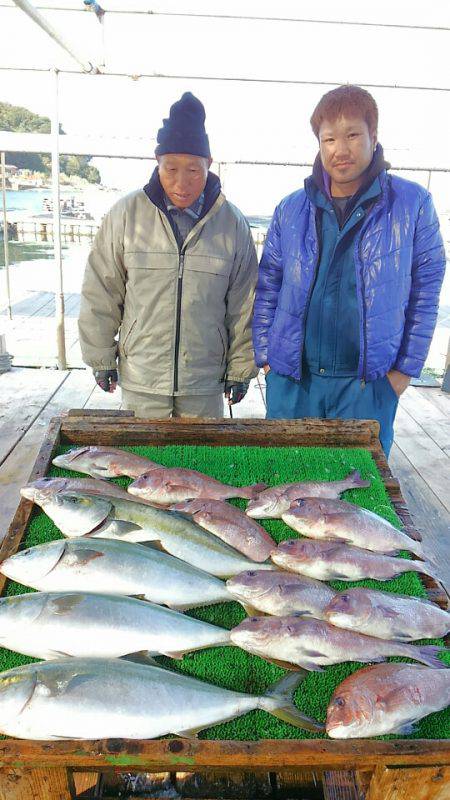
29, 307
433, 420
424, 454
436, 396
23, 395
429, 515
15, 470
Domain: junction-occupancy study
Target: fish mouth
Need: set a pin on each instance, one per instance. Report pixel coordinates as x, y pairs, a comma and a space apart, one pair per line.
29, 492
71, 455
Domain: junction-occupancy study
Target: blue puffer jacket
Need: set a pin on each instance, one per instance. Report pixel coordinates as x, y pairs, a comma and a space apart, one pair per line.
399, 262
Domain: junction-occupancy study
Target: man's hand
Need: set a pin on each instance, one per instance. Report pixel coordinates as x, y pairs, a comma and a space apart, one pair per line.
398, 380
235, 391
107, 379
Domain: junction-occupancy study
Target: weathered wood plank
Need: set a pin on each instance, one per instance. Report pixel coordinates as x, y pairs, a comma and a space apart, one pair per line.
15, 470
340, 785
223, 784
169, 754
100, 399
433, 420
85, 784
425, 455
35, 784
297, 784
427, 783
22, 398
17, 528
436, 396
331, 433
427, 512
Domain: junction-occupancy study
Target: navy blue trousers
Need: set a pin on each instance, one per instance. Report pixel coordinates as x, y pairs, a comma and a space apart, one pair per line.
332, 398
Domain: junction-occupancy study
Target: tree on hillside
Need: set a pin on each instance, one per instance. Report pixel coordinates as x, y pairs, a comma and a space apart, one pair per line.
19, 119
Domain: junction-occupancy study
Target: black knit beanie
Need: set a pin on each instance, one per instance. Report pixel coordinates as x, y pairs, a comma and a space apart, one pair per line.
184, 130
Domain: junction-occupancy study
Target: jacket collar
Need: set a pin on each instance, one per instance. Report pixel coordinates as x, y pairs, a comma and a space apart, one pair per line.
156, 195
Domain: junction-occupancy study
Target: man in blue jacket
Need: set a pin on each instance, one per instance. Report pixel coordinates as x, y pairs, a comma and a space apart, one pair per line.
349, 280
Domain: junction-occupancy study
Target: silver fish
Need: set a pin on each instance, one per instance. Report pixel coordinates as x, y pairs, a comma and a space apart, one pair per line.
327, 560
231, 525
313, 643
79, 698
118, 518
386, 698
105, 462
275, 500
57, 624
166, 486
387, 616
114, 567
281, 593
336, 519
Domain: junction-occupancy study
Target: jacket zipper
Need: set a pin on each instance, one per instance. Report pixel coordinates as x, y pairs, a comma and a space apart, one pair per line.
308, 298
178, 320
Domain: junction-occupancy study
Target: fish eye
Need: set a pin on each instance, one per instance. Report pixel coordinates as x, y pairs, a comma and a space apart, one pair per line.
254, 619
345, 598
339, 702
251, 574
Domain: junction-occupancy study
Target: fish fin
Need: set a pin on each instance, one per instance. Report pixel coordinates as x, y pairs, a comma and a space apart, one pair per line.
428, 654
250, 492
189, 733
143, 657
338, 576
281, 692
251, 611
356, 481
154, 544
389, 612
407, 728
177, 656
311, 666
314, 654
117, 528
283, 664
401, 636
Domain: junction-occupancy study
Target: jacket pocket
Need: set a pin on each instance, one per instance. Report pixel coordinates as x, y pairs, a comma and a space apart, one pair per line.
126, 340
390, 389
224, 348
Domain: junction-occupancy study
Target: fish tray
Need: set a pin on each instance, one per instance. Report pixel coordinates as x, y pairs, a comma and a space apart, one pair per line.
359, 769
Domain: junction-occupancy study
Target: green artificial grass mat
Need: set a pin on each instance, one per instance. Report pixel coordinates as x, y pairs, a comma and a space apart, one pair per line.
231, 667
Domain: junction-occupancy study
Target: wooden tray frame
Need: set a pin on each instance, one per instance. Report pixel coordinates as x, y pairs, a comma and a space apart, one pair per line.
385, 769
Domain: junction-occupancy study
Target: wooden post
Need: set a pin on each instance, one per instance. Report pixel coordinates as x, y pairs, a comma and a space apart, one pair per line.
446, 380
59, 294
5, 235
35, 784
424, 783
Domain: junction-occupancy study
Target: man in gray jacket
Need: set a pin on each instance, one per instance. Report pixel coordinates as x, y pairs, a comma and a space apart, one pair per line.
172, 270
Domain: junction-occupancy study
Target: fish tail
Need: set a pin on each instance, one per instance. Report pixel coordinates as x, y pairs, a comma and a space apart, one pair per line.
356, 482
426, 568
428, 654
250, 492
415, 547
278, 701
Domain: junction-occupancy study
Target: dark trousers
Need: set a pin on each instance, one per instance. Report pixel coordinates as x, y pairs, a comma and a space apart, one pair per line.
331, 398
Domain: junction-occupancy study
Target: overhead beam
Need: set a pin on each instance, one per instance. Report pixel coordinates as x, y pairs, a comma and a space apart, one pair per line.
40, 20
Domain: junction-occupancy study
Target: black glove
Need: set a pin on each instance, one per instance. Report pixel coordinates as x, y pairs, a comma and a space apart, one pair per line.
106, 378
235, 391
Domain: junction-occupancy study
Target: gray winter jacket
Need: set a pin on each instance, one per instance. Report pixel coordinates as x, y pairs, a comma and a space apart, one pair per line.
183, 315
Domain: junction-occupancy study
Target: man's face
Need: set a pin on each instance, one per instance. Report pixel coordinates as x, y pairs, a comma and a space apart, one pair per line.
183, 177
346, 150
